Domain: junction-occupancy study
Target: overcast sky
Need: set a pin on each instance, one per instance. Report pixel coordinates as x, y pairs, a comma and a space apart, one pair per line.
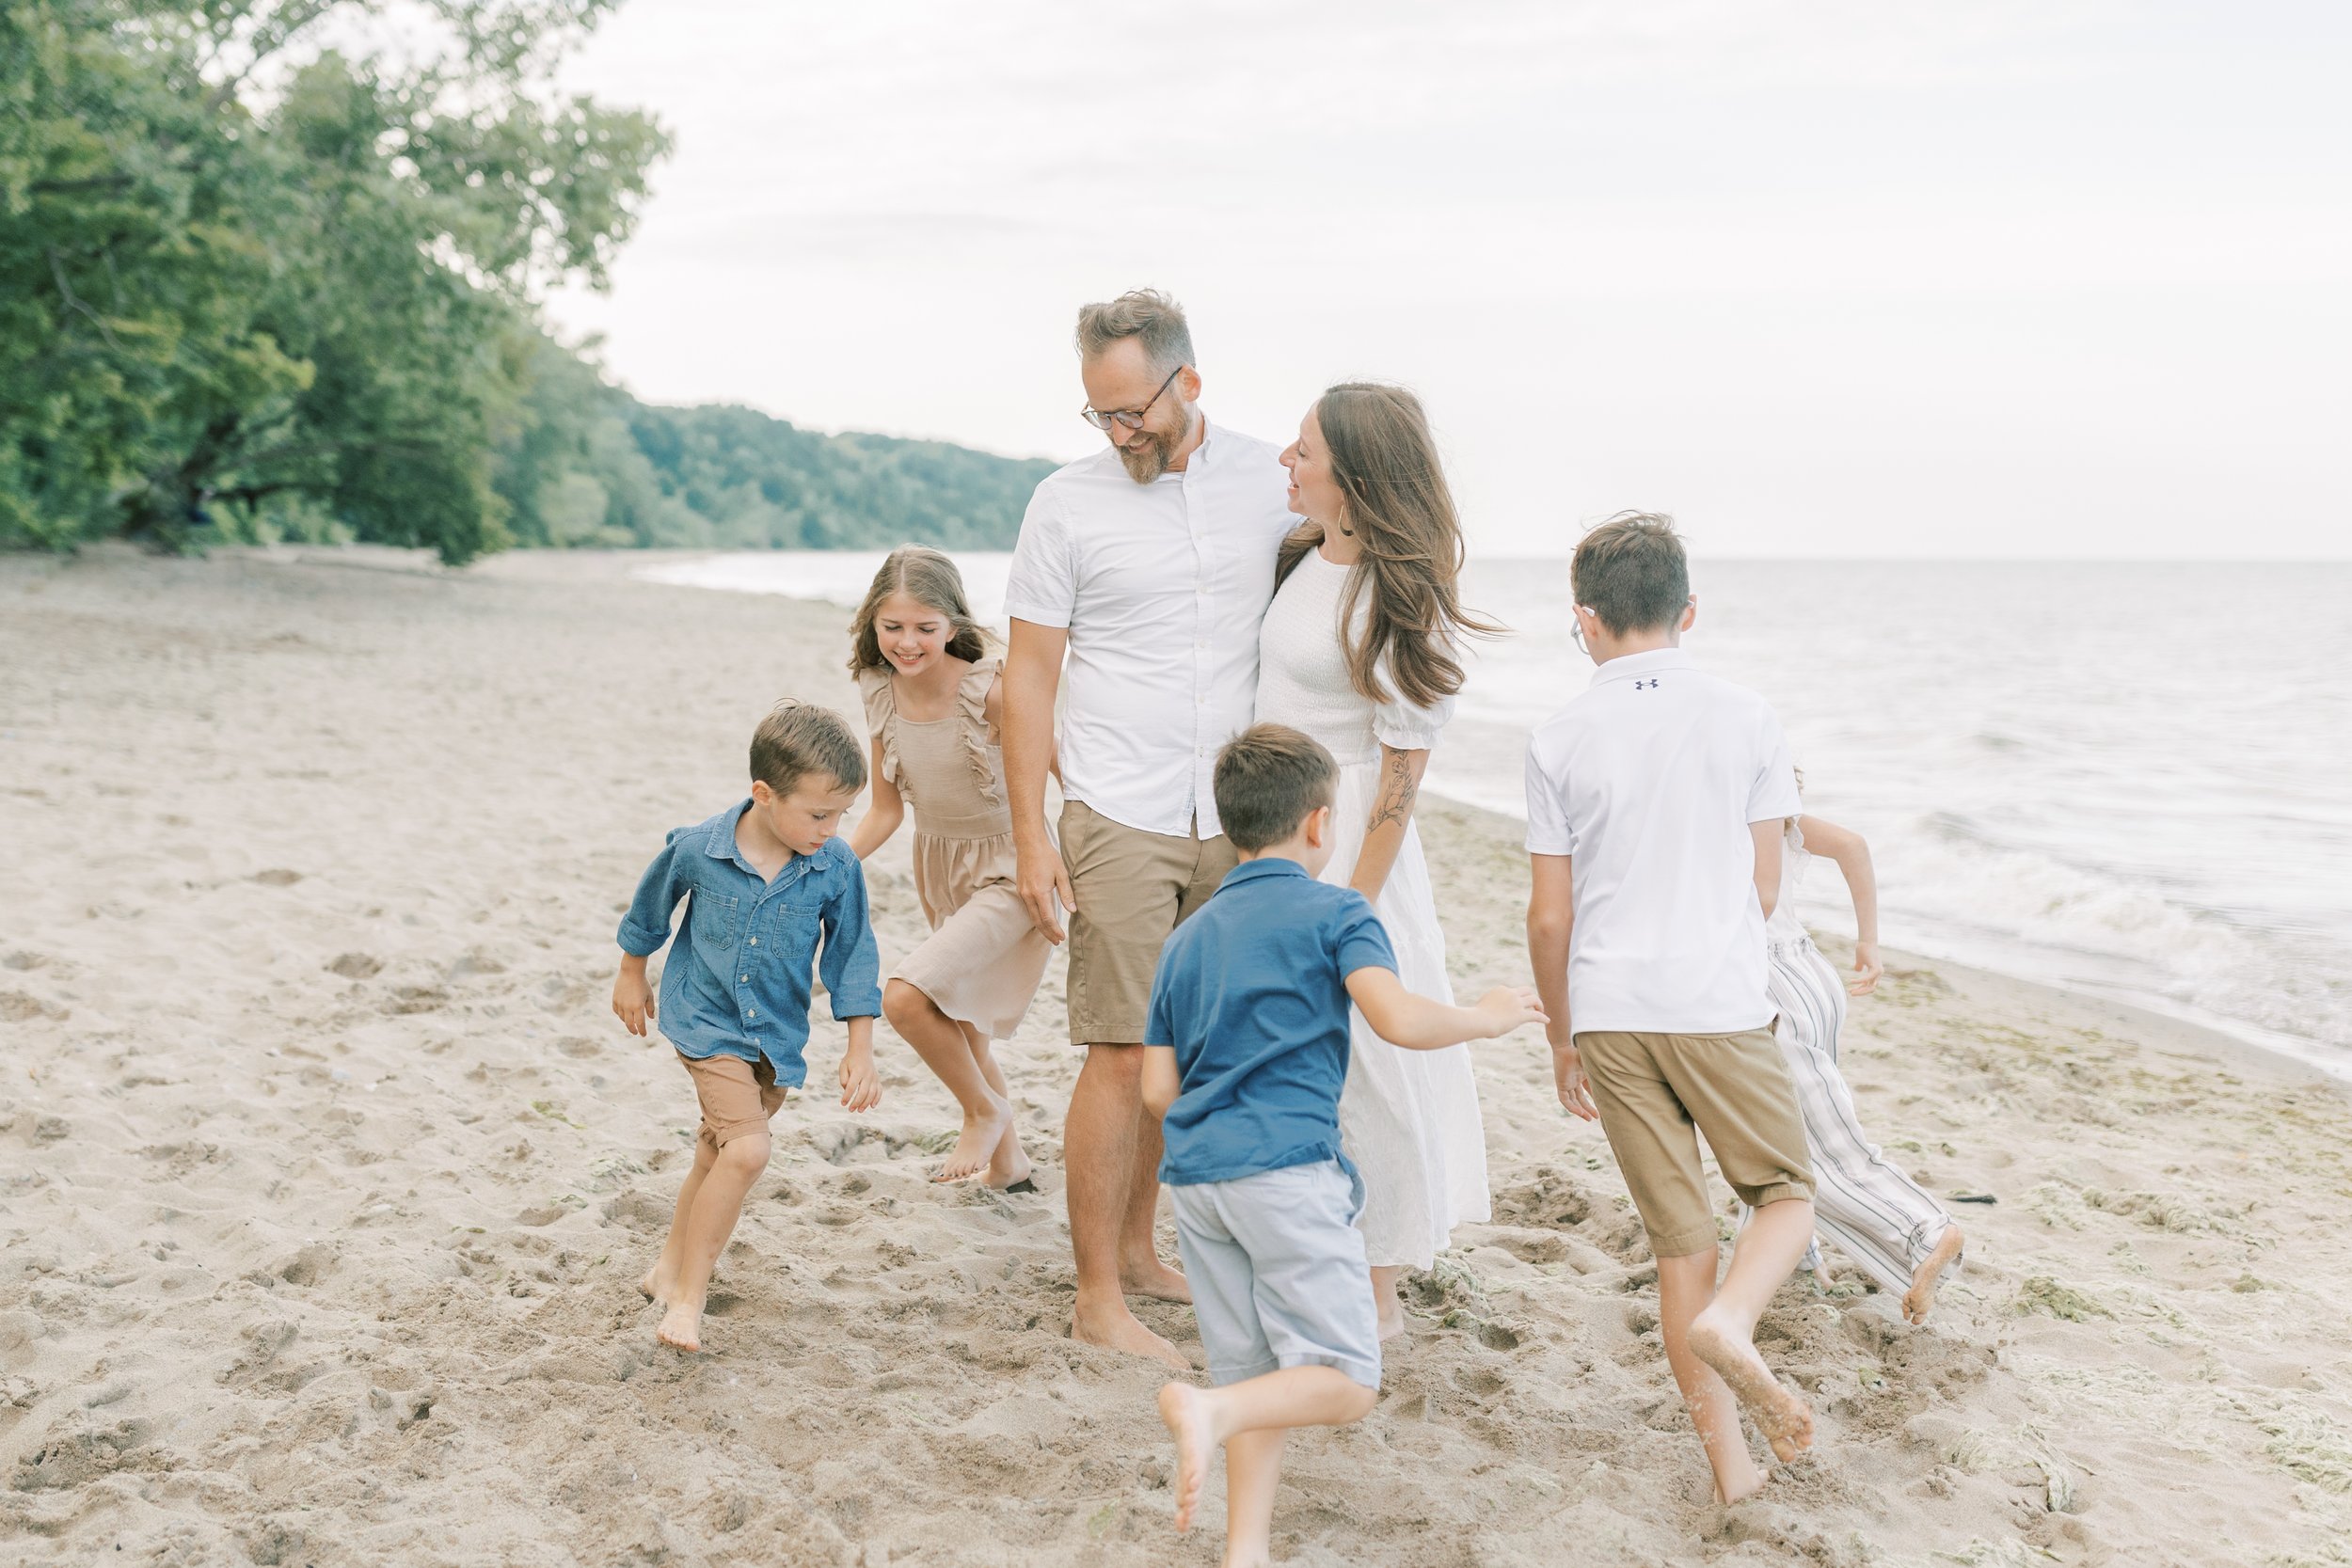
2057, 278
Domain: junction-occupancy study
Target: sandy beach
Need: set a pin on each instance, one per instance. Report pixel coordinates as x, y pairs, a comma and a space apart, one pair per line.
326, 1176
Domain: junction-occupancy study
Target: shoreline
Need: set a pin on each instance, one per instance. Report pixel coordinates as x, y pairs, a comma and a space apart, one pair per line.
331, 1177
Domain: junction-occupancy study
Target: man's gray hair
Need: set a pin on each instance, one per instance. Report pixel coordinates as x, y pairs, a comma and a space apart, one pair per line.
1146, 315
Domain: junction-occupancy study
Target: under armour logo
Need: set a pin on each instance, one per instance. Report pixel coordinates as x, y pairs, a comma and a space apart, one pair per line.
1649, 684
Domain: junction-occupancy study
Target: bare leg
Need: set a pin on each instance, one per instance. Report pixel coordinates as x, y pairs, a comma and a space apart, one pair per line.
1685, 1285
661, 1281
1099, 1149
940, 1041
1385, 1278
1008, 1162
1254, 1469
1920, 1298
718, 1204
1724, 1333
1201, 1419
1141, 1271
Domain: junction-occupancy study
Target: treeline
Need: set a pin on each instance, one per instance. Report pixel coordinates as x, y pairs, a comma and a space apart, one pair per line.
594, 466
261, 277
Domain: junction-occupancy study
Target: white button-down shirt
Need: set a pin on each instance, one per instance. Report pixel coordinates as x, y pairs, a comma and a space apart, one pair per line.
1161, 587
1649, 781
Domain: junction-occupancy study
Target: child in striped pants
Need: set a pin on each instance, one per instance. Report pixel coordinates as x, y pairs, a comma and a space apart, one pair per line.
1877, 1215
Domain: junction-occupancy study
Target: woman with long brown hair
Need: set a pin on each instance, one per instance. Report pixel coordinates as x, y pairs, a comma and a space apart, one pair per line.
1361, 649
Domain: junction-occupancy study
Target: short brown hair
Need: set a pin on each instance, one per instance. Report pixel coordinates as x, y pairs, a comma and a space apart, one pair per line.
1147, 315
1632, 573
799, 738
1269, 779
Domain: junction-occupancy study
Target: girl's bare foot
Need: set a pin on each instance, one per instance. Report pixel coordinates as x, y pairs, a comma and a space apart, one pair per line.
977, 1144
1785, 1420
1008, 1166
1920, 1298
1185, 1410
681, 1326
1389, 1311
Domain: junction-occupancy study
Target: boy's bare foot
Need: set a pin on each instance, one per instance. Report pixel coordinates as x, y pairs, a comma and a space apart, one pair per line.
682, 1327
977, 1144
1116, 1328
1785, 1420
1186, 1412
1153, 1279
1920, 1298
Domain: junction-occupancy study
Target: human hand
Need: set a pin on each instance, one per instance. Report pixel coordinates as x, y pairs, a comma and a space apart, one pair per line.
1505, 1007
861, 1086
1866, 969
1044, 884
1568, 1076
632, 999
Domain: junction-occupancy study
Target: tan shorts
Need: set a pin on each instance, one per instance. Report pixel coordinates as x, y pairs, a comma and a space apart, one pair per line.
738, 1096
1654, 1091
1133, 888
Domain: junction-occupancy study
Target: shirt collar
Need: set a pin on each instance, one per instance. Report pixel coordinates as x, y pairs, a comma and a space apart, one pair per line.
1630, 665
1257, 870
721, 847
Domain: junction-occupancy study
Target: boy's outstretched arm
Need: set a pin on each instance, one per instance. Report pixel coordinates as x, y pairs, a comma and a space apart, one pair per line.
1550, 922
1852, 854
1420, 1023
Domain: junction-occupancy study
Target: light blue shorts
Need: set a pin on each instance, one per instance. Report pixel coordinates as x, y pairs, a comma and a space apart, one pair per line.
1278, 1271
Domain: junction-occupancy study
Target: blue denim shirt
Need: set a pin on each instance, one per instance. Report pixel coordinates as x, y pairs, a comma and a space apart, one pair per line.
737, 982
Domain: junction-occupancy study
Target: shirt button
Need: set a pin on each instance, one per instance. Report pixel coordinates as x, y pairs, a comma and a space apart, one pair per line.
750, 1012
744, 979
754, 942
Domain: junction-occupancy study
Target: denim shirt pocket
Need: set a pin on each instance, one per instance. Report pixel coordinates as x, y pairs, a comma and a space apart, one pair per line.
718, 920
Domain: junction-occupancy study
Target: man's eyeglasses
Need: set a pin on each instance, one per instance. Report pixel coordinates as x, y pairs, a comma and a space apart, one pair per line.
1131, 418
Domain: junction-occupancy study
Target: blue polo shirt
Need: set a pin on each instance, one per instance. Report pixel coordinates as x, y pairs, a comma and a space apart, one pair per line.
737, 980
1252, 993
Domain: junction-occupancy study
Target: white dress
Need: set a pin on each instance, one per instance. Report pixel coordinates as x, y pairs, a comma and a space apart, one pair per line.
1407, 1119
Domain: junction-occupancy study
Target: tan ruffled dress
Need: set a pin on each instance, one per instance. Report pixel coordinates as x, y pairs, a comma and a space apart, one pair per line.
984, 958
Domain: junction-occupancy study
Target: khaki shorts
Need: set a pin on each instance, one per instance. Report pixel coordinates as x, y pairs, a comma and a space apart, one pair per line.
1658, 1092
738, 1096
1132, 888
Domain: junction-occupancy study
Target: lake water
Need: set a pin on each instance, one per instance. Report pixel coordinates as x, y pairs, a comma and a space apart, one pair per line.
2128, 778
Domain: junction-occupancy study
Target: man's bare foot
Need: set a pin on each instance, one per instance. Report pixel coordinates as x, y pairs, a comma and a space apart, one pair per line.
1785, 1420
1920, 1298
1116, 1328
682, 1327
1185, 1410
1153, 1279
977, 1144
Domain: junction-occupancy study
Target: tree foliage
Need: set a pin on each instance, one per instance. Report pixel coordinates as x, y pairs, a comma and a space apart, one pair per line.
241, 270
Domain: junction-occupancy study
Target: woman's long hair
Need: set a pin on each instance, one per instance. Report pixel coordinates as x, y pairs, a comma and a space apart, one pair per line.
1386, 463
930, 580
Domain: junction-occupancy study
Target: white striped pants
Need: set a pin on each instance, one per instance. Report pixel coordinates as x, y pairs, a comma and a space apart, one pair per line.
1877, 1215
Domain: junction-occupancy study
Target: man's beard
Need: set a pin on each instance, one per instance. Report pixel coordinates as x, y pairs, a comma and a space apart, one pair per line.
1150, 460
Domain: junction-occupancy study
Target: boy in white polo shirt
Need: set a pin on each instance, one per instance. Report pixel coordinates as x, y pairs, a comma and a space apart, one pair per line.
1655, 803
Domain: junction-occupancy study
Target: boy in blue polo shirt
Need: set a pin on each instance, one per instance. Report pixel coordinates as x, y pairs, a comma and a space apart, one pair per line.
1243, 1057
766, 884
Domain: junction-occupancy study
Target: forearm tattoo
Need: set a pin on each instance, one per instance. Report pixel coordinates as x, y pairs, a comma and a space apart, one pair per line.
1397, 790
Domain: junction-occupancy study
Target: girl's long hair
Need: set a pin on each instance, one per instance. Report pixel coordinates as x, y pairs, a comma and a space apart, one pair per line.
1386, 463
930, 580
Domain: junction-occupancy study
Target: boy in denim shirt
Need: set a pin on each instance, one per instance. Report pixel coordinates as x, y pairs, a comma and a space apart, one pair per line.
1243, 1057
766, 885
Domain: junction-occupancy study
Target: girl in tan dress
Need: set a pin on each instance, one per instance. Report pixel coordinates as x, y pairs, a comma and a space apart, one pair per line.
932, 706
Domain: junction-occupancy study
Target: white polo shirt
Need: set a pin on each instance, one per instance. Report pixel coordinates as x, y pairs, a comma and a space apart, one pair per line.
1162, 587
1649, 779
